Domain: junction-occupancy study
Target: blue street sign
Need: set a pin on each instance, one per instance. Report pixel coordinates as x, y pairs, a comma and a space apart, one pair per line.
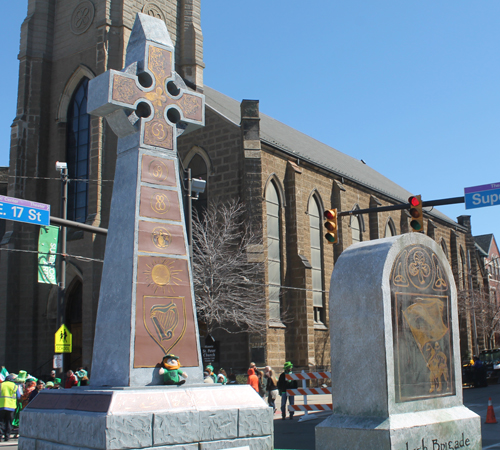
24, 211
481, 196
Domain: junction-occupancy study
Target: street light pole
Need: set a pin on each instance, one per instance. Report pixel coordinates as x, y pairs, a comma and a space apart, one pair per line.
190, 214
63, 168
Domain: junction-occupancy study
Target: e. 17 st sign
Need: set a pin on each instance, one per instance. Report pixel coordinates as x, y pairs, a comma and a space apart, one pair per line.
24, 211
480, 196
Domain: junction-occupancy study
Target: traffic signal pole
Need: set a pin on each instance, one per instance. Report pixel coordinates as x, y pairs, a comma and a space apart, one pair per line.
439, 202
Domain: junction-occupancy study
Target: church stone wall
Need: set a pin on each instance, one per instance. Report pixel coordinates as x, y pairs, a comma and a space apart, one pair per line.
50, 54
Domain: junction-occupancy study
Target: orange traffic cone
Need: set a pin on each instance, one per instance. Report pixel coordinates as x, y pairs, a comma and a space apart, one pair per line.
490, 414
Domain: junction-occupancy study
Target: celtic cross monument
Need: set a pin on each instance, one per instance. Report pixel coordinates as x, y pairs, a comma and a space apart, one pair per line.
146, 306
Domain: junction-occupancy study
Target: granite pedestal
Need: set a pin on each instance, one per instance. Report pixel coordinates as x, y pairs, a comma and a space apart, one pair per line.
196, 418
396, 370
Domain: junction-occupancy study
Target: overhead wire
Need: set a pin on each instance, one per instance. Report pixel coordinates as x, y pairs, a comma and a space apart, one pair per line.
66, 255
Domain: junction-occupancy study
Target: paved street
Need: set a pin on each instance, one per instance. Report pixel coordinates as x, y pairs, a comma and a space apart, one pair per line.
295, 435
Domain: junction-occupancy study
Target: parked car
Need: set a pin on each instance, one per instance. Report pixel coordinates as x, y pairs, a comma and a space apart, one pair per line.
491, 361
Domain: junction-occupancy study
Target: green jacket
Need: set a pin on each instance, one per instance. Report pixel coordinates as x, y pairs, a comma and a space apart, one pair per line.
172, 375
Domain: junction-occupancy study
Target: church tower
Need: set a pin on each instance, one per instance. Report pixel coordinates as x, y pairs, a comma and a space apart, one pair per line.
64, 44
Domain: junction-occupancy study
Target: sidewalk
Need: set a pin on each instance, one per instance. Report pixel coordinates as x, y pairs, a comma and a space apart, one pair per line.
292, 435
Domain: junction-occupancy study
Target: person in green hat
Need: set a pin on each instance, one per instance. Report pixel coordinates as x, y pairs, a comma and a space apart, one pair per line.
21, 377
210, 370
283, 385
171, 371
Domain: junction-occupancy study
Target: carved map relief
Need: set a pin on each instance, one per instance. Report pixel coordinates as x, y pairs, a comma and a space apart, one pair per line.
422, 326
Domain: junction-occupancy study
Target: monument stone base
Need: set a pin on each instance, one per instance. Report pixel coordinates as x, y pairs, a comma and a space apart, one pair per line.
450, 428
198, 417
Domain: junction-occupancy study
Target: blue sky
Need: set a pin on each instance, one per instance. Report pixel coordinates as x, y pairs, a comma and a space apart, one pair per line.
412, 88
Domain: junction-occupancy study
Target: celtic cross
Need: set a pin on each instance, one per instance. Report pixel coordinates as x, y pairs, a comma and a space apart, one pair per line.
146, 301
148, 96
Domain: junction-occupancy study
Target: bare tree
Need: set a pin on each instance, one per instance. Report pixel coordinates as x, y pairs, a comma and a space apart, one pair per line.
228, 281
484, 312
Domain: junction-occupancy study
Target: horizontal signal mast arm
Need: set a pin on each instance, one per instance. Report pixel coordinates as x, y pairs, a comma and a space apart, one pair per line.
443, 201
79, 225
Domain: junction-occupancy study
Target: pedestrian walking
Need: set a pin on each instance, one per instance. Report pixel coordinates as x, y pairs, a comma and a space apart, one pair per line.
253, 380
271, 387
283, 385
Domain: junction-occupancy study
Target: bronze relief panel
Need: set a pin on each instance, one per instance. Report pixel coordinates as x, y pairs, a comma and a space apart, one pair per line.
161, 238
158, 171
164, 312
160, 204
422, 326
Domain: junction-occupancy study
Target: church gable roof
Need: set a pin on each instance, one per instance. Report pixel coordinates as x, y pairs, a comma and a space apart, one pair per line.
306, 148
484, 241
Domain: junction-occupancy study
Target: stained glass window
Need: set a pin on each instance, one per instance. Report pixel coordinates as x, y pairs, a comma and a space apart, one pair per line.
77, 153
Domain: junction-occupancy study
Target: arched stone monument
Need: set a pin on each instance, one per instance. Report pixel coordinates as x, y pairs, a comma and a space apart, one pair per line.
396, 371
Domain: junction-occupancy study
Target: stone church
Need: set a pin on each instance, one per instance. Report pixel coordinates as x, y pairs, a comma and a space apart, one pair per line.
285, 179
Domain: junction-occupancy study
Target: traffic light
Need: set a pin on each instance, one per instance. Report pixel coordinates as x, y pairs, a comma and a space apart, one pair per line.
331, 226
417, 222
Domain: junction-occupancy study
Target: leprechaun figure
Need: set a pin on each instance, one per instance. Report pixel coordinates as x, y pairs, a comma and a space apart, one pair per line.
171, 370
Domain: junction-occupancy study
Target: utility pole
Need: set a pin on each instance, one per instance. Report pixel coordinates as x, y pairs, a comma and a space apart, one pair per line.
471, 290
63, 168
194, 188
190, 214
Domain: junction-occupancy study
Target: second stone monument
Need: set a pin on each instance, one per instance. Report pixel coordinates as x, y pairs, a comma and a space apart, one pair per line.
396, 371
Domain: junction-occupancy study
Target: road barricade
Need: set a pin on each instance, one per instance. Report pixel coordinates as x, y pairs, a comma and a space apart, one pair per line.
305, 392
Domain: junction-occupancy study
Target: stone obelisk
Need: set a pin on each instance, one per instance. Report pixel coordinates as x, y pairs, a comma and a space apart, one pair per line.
146, 305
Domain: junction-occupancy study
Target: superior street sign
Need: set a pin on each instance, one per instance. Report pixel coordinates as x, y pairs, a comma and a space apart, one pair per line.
480, 196
24, 211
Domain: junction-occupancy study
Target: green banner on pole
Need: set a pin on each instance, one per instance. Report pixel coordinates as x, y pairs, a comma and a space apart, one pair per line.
47, 249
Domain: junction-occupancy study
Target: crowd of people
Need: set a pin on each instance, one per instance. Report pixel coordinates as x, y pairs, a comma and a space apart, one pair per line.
265, 382
18, 390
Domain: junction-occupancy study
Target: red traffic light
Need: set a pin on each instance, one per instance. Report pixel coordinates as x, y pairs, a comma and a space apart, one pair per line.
330, 214
414, 201
417, 224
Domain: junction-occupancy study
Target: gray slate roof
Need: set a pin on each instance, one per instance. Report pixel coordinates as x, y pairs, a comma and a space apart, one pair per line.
484, 241
306, 148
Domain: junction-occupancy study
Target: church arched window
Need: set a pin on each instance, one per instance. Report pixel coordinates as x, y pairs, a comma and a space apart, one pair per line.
390, 229
77, 153
444, 248
273, 250
315, 227
355, 229
462, 274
